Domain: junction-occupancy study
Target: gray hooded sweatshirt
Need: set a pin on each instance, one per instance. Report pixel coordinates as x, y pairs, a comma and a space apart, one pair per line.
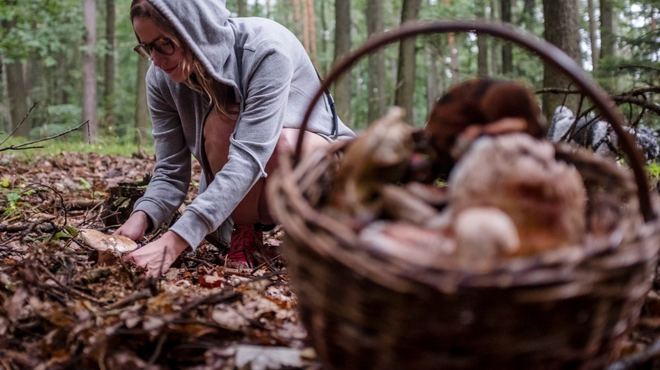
274, 82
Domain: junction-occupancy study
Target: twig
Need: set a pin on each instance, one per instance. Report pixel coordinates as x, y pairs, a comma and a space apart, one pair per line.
621, 99
639, 66
65, 288
553, 90
25, 145
19, 125
213, 298
159, 347
142, 294
634, 361
59, 194
79, 204
267, 262
198, 260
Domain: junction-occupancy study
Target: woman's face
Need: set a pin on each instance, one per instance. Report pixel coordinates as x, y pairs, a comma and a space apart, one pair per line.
148, 32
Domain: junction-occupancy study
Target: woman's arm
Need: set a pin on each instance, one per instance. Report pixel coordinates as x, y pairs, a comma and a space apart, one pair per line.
267, 79
169, 185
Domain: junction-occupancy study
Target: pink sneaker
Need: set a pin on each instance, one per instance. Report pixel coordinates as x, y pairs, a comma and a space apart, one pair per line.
245, 240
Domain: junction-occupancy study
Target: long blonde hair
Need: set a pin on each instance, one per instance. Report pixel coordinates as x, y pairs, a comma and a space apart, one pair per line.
202, 82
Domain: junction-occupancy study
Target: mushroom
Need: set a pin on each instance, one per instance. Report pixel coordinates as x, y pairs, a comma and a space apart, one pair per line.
378, 156
483, 234
518, 174
106, 245
480, 102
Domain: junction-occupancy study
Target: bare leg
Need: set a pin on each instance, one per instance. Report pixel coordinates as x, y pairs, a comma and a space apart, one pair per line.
254, 207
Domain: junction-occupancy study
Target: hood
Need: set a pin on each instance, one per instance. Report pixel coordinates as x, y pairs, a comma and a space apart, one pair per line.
204, 25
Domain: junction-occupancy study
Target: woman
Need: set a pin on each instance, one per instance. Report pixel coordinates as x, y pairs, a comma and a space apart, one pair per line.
231, 92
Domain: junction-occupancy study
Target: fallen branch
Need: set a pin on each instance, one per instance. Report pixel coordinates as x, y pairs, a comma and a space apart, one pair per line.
640, 66
80, 204
26, 146
142, 294
19, 125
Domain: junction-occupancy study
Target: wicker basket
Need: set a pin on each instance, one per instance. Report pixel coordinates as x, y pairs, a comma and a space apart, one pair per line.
568, 308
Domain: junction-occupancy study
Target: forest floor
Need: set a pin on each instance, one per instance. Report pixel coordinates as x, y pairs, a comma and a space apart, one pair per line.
60, 309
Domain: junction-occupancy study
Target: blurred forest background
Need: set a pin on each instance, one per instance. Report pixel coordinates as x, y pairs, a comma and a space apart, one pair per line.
75, 59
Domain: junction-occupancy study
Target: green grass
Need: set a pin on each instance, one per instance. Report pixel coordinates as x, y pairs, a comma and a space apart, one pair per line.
106, 145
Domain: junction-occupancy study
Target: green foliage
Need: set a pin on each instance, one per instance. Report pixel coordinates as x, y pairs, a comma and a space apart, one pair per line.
106, 145
44, 28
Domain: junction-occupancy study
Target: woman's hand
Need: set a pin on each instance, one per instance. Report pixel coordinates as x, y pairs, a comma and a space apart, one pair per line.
158, 255
135, 226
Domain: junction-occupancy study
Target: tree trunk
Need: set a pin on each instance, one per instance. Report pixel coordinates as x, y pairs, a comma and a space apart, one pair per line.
17, 92
342, 91
376, 86
324, 42
141, 110
89, 72
606, 29
109, 96
592, 36
432, 82
527, 16
494, 42
453, 54
405, 91
482, 43
5, 119
507, 54
561, 29
305, 25
312, 30
242, 8
296, 17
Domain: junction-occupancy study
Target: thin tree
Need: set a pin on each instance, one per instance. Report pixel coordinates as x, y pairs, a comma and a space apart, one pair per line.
324, 43
405, 86
561, 29
606, 29
296, 17
89, 71
592, 35
109, 92
482, 43
16, 92
312, 29
342, 89
453, 54
305, 25
495, 42
434, 79
242, 8
507, 49
527, 16
141, 110
376, 70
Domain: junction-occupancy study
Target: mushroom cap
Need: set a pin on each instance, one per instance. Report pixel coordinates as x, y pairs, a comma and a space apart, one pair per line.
107, 243
485, 232
518, 174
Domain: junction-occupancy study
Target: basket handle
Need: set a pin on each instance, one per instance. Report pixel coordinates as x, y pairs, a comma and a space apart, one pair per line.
550, 53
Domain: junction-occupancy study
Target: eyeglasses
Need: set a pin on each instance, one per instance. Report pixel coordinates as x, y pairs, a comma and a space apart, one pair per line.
162, 45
